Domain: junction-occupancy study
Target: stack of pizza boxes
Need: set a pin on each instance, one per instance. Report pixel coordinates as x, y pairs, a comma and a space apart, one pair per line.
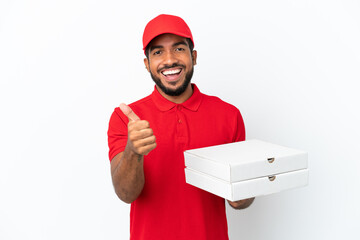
246, 169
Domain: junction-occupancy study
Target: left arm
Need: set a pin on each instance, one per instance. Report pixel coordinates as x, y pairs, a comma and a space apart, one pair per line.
241, 204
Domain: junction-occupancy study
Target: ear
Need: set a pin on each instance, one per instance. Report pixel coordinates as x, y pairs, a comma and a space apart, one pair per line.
146, 62
194, 56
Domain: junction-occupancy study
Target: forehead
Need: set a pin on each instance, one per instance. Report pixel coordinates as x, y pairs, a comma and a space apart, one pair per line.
167, 39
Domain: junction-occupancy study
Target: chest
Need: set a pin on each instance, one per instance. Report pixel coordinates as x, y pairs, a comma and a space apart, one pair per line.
182, 129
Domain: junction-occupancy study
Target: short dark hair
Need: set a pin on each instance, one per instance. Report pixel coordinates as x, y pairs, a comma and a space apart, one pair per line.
190, 43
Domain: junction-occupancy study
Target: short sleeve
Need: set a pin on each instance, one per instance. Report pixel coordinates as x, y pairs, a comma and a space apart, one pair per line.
240, 134
117, 133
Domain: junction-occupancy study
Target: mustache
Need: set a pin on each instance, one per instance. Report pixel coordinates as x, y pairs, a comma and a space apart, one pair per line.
171, 66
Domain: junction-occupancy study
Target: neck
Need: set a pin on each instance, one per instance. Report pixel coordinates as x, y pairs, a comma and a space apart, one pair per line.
178, 99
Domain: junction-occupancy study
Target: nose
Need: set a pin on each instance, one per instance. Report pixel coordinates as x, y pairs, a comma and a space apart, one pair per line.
169, 58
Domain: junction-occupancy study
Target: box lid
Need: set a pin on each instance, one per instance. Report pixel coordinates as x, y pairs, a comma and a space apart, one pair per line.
245, 160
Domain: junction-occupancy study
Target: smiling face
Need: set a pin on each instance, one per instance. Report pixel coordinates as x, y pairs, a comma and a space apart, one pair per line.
171, 65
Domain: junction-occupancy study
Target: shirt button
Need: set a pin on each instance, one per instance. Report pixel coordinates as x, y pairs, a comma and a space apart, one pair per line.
179, 121
179, 107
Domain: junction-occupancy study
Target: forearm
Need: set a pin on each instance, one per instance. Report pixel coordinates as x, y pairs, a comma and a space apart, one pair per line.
128, 175
241, 204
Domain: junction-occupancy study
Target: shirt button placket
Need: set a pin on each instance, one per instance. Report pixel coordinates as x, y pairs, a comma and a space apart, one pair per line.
181, 126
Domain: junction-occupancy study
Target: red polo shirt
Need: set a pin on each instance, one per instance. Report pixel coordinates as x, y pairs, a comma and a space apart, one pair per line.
168, 207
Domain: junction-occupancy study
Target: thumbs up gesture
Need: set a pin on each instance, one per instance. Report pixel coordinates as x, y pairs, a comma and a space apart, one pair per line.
141, 139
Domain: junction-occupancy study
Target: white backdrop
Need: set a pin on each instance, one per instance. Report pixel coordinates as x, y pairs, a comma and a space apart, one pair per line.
291, 67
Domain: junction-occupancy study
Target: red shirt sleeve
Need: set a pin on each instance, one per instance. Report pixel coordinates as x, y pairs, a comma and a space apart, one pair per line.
240, 134
117, 133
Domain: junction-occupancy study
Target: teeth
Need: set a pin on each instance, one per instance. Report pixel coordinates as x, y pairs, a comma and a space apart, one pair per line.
167, 72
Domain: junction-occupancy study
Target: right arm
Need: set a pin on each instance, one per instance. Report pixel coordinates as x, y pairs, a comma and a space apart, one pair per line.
127, 174
127, 169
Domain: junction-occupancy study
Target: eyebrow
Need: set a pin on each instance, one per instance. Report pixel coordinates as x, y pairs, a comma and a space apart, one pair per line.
180, 43
174, 45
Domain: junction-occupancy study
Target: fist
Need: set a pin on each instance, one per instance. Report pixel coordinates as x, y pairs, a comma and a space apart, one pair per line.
141, 139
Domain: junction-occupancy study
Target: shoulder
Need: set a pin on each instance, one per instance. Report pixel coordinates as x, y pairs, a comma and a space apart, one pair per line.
136, 106
213, 102
225, 117
141, 102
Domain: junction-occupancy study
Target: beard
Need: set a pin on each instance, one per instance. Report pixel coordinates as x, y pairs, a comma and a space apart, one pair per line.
174, 92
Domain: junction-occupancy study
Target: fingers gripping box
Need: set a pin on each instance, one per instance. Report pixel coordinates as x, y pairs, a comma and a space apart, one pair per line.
246, 169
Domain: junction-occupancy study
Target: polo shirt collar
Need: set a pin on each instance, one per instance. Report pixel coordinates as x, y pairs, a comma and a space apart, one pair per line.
164, 105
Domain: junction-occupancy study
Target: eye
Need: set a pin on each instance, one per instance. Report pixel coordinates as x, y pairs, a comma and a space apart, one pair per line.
180, 49
157, 52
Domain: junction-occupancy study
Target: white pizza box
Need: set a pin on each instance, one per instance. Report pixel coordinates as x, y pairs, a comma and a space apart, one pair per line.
247, 188
249, 159
246, 169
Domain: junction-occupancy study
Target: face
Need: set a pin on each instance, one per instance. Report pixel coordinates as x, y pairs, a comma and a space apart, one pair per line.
171, 63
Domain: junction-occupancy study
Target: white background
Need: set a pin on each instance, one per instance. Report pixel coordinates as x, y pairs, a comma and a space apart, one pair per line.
291, 67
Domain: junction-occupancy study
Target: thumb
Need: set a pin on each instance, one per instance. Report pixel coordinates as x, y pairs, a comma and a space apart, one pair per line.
128, 112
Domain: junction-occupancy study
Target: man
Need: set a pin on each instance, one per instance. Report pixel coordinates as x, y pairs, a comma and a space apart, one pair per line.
147, 140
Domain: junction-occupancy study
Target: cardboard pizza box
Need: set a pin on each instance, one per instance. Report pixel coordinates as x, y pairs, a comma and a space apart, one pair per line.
246, 169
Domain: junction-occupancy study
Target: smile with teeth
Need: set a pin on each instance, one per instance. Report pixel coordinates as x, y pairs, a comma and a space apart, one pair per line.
171, 72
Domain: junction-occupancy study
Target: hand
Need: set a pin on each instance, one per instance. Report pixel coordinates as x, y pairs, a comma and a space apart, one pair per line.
141, 139
241, 204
